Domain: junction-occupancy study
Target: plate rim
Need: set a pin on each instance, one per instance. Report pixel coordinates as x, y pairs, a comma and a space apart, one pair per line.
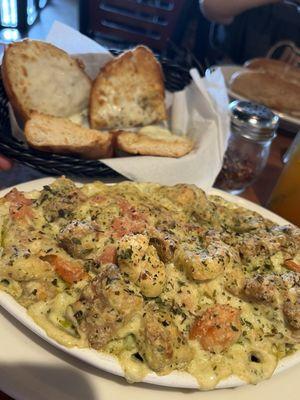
108, 363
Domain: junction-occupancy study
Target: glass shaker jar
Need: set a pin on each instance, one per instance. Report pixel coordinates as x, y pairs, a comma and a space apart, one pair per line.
253, 127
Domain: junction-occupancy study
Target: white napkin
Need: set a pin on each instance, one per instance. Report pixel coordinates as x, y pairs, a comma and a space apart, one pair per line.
72, 41
200, 112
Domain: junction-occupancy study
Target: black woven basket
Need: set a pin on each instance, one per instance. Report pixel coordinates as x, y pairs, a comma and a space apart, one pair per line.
176, 78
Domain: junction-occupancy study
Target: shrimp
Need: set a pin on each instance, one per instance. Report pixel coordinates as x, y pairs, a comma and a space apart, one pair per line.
139, 261
218, 328
291, 311
19, 207
161, 343
78, 238
69, 271
109, 255
292, 265
122, 226
129, 221
262, 288
191, 200
268, 242
60, 199
182, 195
164, 244
288, 237
290, 281
203, 264
186, 195
106, 305
291, 303
277, 290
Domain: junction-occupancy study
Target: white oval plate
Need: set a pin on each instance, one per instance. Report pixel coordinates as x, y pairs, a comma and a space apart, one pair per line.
290, 122
110, 364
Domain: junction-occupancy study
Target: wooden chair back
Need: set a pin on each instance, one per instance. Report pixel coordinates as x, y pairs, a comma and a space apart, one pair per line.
149, 22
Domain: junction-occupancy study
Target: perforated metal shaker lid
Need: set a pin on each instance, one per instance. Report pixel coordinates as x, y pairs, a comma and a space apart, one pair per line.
253, 121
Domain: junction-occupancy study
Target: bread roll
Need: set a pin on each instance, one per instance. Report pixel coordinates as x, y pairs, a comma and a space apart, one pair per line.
59, 135
152, 141
40, 77
128, 92
275, 67
264, 88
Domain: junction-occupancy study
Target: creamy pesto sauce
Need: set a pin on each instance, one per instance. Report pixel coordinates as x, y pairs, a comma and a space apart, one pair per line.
252, 358
134, 371
39, 313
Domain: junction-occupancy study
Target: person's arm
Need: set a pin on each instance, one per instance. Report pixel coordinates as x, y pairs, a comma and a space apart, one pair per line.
223, 11
5, 164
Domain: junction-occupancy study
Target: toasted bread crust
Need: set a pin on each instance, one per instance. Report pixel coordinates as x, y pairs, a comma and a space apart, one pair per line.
30, 90
134, 143
17, 107
59, 135
129, 91
278, 94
